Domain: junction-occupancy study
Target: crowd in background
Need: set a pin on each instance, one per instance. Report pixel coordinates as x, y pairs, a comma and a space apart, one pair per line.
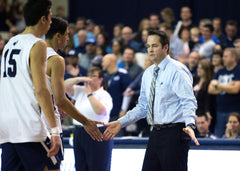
210, 52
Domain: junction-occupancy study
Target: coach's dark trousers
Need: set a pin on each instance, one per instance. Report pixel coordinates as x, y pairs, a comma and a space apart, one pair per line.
91, 155
167, 149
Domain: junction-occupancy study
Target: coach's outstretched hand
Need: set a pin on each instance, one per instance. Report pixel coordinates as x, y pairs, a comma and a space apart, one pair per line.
188, 130
91, 128
55, 145
112, 129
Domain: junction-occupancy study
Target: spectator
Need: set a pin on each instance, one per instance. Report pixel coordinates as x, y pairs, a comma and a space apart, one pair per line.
237, 43
117, 50
217, 25
219, 48
98, 29
154, 21
205, 101
102, 40
90, 28
192, 64
72, 67
60, 12
117, 32
176, 45
127, 38
231, 29
237, 47
194, 43
185, 22
117, 81
101, 50
185, 37
142, 44
20, 22
202, 124
97, 61
201, 25
217, 61
167, 15
206, 49
85, 60
233, 127
226, 86
13, 31
7, 14
80, 25
3, 15
144, 25
129, 63
95, 103
82, 37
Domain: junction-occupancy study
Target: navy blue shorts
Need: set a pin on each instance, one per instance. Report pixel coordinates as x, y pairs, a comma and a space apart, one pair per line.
30, 156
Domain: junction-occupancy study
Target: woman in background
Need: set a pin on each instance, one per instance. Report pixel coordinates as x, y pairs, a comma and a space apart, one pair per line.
93, 102
217, 61
205, 101
233, 127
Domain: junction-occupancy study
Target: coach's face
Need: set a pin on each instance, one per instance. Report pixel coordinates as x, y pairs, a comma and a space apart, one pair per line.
156, 52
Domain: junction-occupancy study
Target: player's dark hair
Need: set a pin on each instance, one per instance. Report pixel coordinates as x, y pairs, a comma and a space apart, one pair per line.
58, 25
33, 10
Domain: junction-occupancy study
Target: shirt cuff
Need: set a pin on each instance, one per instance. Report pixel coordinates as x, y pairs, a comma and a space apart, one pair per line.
123, 121
189, 121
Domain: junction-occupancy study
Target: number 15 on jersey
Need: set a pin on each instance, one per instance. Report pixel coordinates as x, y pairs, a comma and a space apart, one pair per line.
10, 65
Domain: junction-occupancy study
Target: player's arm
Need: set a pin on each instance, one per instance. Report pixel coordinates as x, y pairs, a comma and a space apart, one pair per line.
57, 82
37, 66
212, 88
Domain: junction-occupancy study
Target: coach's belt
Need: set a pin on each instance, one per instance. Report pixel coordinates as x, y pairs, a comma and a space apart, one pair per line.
170, 125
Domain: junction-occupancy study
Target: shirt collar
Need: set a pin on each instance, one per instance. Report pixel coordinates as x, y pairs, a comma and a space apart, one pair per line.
164, 63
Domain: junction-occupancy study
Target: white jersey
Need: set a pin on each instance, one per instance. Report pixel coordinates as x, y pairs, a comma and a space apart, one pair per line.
20, 116
50, 53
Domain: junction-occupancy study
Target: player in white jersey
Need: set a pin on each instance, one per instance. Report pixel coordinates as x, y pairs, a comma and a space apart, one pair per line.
24, 93
57, 38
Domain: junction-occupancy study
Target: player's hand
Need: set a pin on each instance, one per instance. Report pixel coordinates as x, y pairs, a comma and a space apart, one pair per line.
55, 145
112, 129
91, 128
188, 130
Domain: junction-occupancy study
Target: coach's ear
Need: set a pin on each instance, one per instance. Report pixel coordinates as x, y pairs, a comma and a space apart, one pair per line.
165, 48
